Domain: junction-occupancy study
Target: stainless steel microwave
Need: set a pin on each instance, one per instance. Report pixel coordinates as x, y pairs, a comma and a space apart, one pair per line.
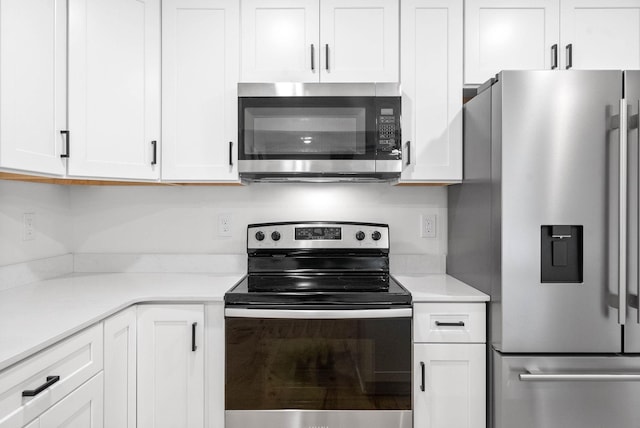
319, 132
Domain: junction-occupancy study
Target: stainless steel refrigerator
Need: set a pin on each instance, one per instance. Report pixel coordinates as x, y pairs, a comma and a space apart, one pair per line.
546, 222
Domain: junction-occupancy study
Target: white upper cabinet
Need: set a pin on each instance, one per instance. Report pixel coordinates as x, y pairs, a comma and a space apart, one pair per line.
359, 40
33, 60
600, 34
319, 40
432, 90
509, 35
114, 88
550, 34
280, 40
200, 71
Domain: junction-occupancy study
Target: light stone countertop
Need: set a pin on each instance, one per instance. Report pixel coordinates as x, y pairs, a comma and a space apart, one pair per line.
35, 316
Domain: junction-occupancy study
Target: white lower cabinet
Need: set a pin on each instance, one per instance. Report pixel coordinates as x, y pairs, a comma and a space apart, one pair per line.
171, 366
120, 369
214, 366
80, 409
449, 372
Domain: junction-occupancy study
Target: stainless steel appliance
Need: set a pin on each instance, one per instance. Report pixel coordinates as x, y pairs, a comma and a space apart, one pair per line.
319, 131
318, 334
546, 222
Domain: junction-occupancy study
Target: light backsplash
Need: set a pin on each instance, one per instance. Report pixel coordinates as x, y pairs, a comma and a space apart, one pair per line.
183, 220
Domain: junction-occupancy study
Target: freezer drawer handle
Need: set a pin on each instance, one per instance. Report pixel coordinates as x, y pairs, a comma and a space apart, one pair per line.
33, 392
422, 387
590, 377
450, 324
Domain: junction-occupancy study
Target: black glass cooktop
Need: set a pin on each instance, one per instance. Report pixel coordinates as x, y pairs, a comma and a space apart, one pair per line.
294, 291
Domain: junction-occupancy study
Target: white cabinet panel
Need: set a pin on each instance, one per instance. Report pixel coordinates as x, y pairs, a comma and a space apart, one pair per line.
114, 88
361, 39
603, 34
432, 90
200, 74
454, 386
80, 409
170, 369
33, 60
120, 370
277, 38
508, 35
215, 364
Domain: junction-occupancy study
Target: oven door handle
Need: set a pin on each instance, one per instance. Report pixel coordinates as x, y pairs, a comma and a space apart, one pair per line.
317, 314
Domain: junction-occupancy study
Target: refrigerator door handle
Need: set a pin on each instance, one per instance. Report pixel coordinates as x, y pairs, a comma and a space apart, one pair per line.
571, 377
622, 214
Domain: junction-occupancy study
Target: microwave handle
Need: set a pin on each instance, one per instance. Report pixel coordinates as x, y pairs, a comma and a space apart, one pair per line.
408, 153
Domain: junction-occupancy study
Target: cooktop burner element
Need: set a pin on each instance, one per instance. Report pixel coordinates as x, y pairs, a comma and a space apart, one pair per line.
318, 264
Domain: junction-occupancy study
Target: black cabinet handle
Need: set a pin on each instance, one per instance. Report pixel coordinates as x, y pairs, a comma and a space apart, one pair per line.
33, 392
193, 337
408, 153
422, 386
569, 52
230, 153
154, 159
554, 56
450, 324
313, 60
67, 134
326, 56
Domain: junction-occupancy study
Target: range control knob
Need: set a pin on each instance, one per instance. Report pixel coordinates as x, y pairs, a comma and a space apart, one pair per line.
376, 236
259, 235
275, 235
360, 235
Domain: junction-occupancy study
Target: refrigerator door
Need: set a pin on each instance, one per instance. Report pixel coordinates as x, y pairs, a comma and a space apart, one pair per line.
632, 326
558, 176
567, 392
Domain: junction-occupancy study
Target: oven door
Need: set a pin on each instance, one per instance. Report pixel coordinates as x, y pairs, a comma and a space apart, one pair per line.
329, 368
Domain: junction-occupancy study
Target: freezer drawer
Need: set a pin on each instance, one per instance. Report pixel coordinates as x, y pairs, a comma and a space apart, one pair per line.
566, 391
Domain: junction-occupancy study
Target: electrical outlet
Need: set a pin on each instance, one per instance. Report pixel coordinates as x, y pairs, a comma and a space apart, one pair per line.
224, 225
428, 225
28, 226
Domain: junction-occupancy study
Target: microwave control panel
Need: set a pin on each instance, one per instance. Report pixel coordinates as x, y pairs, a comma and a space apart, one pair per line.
388, 128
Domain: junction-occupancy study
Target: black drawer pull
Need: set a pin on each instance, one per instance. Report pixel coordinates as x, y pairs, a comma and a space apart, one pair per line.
33, 392
154, 160
230, 153
193, 337
450, 324
422, 386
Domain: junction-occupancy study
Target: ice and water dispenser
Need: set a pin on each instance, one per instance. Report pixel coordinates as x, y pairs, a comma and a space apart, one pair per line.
561, 253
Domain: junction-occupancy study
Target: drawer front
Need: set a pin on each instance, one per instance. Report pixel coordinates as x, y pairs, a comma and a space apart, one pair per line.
75, 360
449, 322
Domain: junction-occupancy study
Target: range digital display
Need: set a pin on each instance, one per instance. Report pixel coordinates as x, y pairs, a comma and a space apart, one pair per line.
313, 233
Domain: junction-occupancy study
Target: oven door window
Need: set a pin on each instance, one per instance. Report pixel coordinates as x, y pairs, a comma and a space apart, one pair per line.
304, 128
346, 364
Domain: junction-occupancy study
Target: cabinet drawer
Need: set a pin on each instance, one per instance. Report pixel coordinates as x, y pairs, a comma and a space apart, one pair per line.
74, 360
449, 322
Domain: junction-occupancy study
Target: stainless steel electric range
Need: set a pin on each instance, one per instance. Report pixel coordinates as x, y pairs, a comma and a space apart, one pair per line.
319, 333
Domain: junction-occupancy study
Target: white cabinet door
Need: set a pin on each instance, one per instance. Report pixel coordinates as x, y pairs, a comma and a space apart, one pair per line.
509, 35
33, 43
120, 370
80, 409
454, 385
600, 34
215, 365
170, 366
200, 50
361, 40
114, 88
280, 40
432, 90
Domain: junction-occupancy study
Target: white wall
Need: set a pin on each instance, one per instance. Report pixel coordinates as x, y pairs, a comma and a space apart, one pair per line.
183, 219
51, 205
